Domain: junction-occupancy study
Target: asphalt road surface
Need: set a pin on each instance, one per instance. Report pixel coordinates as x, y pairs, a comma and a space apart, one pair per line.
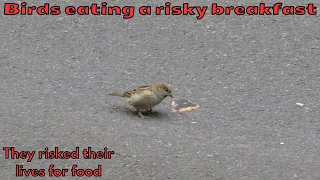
247, 73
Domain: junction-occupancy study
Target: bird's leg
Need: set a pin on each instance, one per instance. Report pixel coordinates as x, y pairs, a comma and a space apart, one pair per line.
140, 114
153, 111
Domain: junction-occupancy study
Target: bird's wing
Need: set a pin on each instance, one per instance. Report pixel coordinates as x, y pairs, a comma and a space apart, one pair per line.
141, 87
136, 90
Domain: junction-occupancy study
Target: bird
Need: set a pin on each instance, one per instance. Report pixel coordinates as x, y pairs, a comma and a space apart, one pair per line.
146, 97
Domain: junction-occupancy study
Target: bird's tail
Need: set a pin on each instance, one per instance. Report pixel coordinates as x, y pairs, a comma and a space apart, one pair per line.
117, 94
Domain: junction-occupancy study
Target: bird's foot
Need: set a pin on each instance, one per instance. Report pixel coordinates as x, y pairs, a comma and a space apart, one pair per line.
140, 114
153, 111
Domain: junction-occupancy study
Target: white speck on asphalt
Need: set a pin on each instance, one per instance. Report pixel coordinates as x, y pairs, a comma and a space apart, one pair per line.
300, 104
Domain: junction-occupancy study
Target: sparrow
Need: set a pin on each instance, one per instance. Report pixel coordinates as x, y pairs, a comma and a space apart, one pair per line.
146, 97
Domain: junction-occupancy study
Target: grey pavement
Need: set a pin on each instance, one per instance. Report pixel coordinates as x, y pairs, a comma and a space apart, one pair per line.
247, 73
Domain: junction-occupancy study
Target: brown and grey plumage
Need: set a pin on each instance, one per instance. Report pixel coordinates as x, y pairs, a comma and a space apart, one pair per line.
146, 97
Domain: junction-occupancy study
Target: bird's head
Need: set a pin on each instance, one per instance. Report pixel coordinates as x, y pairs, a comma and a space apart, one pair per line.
162, 90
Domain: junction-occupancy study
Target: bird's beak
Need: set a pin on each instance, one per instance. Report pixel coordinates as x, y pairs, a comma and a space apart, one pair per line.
170, 95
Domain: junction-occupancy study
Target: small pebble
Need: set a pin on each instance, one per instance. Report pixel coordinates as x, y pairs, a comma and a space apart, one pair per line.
300, 104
